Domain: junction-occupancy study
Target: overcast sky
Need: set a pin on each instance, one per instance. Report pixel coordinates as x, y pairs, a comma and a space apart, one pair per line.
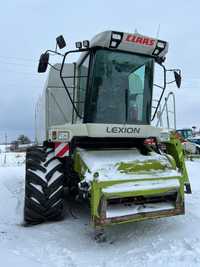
29, 27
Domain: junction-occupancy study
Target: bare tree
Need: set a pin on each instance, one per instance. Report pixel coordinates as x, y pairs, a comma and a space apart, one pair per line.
22, 139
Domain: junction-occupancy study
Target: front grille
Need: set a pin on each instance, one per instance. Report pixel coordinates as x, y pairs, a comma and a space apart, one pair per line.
131, 206
170, 197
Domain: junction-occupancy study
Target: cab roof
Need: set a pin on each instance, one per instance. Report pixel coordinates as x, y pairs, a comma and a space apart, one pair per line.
130, 42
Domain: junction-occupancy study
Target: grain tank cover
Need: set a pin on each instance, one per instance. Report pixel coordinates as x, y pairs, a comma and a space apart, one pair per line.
133, 43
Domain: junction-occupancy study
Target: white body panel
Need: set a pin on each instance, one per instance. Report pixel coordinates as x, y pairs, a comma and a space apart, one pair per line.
54, 106
105, 130
40, 119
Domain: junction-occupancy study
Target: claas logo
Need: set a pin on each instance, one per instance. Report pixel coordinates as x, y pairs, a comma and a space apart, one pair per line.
140, 40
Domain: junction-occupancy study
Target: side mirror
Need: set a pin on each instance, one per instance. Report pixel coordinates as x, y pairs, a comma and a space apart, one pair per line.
177, 77
60, 42
43, 62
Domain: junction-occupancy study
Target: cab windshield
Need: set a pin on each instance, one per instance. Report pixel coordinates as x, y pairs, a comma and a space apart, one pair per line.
120, 90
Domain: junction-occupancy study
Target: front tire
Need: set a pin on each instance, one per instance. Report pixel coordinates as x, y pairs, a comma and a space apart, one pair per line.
44, 186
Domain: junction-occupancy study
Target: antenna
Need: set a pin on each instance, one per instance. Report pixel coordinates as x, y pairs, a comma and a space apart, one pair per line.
158, 31
136, 31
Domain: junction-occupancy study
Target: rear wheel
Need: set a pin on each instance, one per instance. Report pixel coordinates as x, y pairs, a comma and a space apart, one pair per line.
43, 186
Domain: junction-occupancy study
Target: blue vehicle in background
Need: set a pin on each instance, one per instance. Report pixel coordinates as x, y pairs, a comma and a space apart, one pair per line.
185, 133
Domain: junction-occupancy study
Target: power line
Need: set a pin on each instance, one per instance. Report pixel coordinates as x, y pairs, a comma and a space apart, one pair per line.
17, 64
19, 58
34, 82
24, 59
21, 72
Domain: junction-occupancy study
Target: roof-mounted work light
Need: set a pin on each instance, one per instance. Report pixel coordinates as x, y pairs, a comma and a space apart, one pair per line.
160, 46
86, 43
78, 45
116, 38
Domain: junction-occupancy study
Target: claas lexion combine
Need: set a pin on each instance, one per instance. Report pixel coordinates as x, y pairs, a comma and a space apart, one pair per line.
95, 135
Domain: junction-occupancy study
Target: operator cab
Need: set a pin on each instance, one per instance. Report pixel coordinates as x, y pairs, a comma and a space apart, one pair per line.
108, 90
118, 89
115, 78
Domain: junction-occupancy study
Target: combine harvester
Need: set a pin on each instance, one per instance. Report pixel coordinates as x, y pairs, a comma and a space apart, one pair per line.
96, 138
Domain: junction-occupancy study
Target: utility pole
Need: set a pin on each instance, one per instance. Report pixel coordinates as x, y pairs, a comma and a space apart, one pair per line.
5, 148
158, 32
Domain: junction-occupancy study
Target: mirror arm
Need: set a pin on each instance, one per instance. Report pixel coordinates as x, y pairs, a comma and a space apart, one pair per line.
164, 87
177, 75
63, 81
54, 52
171, 82
156, 85
56, 48
178, 70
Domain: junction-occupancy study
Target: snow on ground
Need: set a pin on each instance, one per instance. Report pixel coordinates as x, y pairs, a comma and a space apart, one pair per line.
164, 242
10, 158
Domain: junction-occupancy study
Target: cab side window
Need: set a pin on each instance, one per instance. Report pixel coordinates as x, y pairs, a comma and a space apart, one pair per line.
82, 84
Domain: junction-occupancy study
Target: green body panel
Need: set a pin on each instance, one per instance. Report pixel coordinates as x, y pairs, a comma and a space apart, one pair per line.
97, 197
79, 165
98, 186
135, 167
175, 149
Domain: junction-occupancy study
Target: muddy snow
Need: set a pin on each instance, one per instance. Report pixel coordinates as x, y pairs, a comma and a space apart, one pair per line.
164, 242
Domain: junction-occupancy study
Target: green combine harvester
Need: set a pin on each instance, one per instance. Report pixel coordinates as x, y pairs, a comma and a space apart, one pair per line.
96, 137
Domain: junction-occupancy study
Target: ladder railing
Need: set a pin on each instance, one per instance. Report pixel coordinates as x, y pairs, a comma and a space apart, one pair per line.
165, 110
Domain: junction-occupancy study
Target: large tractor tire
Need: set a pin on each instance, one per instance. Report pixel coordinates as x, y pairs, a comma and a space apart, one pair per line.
44, 186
